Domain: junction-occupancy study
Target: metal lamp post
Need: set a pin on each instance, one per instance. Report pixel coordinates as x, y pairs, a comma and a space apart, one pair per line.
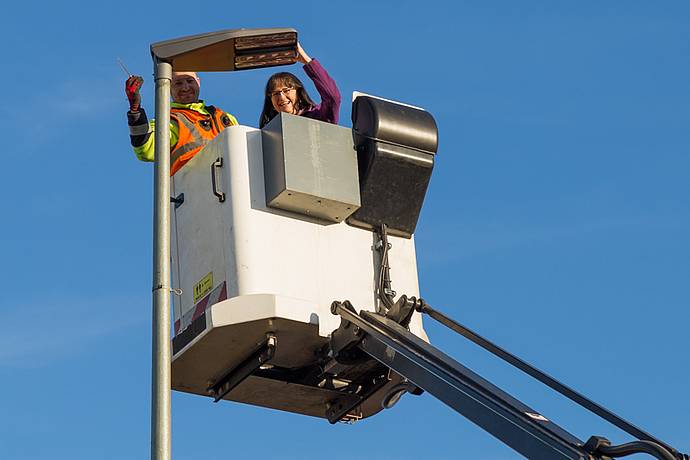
227, 50
160, 371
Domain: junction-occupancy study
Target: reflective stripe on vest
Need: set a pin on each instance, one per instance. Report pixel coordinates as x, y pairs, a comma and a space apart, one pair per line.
195, 143
195, 131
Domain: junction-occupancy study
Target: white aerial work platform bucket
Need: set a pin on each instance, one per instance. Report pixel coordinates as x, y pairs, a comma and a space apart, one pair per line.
248, 271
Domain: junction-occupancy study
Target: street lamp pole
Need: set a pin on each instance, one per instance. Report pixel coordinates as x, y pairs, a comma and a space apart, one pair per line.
226, 50
160, 371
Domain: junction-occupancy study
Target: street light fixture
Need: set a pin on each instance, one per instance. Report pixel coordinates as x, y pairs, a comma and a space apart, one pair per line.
227, 50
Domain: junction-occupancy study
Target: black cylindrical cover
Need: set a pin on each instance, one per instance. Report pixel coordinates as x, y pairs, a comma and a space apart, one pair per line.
393, 184
400, 124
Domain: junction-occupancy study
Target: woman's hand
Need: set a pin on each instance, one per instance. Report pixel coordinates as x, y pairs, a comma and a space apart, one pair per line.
302, 56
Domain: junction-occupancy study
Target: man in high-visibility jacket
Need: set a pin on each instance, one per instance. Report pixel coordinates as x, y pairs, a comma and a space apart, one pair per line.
193, 124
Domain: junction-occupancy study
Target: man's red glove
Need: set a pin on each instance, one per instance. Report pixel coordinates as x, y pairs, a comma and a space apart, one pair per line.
132, 86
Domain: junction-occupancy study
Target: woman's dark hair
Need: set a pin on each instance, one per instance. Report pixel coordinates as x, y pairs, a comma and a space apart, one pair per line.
277, 80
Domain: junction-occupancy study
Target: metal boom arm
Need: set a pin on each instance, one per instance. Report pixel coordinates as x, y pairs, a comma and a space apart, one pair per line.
508, 419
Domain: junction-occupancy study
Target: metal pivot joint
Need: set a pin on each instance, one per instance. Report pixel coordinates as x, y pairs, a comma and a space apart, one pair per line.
344, 340
346, 348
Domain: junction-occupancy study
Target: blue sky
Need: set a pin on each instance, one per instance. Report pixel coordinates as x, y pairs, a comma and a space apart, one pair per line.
556, 222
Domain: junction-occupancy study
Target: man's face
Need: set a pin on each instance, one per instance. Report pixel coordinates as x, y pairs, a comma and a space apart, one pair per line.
185, 87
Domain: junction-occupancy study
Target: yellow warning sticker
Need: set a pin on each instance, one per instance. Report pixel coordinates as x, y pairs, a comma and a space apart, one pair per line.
203, 287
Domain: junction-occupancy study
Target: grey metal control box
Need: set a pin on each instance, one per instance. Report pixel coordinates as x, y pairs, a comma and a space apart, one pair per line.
310, 167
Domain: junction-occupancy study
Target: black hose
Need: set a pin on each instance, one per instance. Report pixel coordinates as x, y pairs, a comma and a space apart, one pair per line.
637, 447
384, 281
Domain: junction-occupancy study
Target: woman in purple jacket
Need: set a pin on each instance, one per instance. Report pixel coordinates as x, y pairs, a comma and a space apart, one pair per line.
286, 93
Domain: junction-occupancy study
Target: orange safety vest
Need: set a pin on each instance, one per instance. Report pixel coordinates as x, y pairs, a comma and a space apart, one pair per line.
195, 131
